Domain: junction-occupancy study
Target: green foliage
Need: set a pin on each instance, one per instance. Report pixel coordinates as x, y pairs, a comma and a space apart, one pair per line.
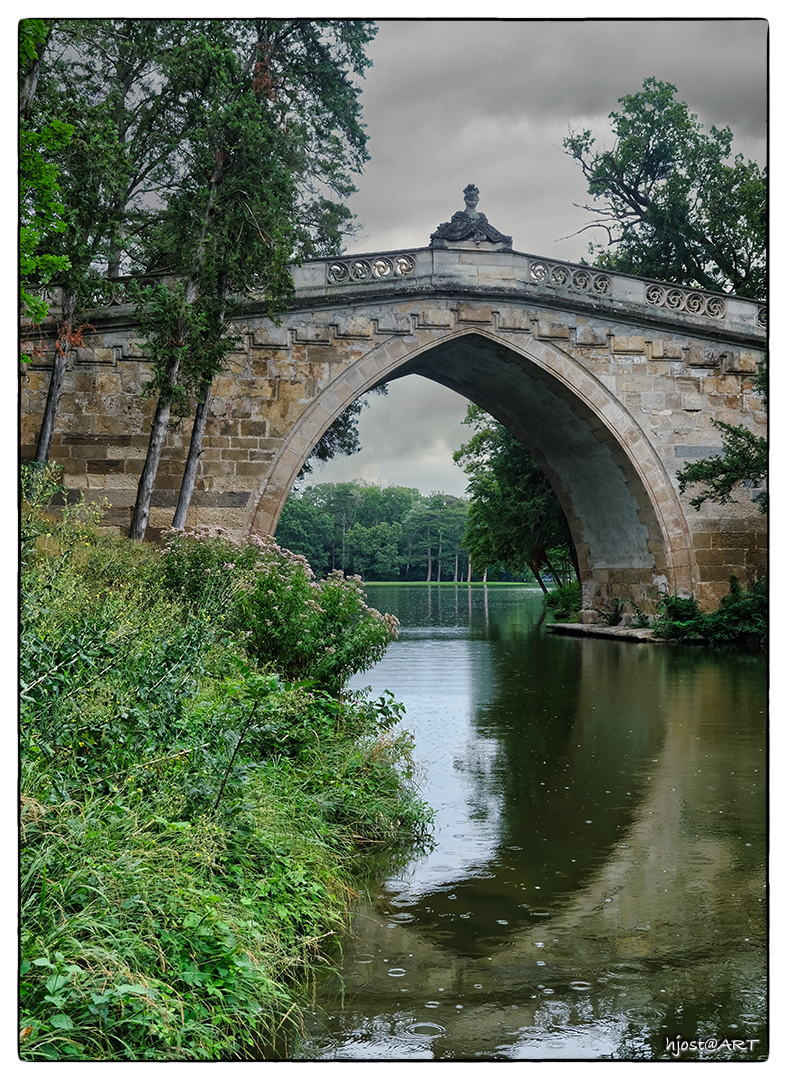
191, 818
611, 613
673, 206
41, 209
740, 620
743, 462
514, 518
292, 623
381, 534
185, 339
207, 151
565, 601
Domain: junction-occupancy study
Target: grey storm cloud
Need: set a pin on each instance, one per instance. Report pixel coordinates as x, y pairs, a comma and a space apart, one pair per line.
489, 102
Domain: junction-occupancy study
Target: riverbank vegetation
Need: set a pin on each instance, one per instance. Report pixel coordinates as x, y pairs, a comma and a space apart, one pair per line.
741, 620
198, 788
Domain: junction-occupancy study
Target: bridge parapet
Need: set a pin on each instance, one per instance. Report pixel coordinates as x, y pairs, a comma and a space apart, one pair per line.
519, 276
470, 270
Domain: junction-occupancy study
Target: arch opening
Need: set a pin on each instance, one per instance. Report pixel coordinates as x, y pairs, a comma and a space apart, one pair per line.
624, 516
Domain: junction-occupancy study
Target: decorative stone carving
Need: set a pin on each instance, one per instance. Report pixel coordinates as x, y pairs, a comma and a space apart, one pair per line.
543, 272
468, 224
686, 300
379, 268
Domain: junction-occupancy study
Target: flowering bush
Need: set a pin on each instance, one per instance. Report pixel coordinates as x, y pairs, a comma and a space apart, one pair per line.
294, 624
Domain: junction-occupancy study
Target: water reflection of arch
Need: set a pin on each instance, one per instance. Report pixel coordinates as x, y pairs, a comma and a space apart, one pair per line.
624, 514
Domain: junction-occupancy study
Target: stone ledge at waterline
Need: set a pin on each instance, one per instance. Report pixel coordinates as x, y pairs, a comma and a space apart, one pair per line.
628, 633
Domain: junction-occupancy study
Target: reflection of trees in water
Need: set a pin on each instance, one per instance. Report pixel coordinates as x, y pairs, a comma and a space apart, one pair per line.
706, 688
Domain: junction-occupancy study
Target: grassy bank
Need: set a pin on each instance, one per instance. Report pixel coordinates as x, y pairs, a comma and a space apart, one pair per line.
198, 794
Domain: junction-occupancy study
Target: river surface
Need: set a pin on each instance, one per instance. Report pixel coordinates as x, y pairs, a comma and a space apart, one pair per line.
596, 887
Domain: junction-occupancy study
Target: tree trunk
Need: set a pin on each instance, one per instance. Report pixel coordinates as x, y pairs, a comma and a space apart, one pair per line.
30, 84
62, 345
139, 519
534, 568
553, 572
456, 567
469, 571
197, 435
192, 462
115, 257
158, 433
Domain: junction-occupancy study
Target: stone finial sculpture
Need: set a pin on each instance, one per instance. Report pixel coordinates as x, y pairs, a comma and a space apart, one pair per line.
468, 224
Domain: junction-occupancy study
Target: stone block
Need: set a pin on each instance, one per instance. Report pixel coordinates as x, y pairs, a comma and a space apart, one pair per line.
434, 317
591, 336
255, 428
118, 497
108, 383
354, 326
313, 334
588, 617
633, 344
744, 361
249, 468
474, 313
391, 322
702, 356
270, 336
235, 453
514, 320
553, 330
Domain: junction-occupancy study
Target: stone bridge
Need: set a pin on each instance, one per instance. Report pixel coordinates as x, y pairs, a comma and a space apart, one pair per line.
610, 381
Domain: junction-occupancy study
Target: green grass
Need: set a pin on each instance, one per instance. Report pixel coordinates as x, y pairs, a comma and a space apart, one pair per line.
194, 818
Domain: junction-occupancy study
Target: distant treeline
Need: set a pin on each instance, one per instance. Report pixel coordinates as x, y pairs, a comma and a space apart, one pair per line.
382, 534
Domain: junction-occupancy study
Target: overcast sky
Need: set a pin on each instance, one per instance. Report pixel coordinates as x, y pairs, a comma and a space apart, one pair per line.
489, 102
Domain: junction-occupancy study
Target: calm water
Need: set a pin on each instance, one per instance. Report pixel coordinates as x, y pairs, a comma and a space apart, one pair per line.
597, 881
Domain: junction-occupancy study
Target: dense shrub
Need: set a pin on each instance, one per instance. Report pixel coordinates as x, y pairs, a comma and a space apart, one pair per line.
292, 623
740, 620
564, 600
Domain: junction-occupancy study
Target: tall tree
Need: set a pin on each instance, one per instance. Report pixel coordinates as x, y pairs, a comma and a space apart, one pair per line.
226, 226
275, 131
673, 204
514, 519
97, 79
675, 207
